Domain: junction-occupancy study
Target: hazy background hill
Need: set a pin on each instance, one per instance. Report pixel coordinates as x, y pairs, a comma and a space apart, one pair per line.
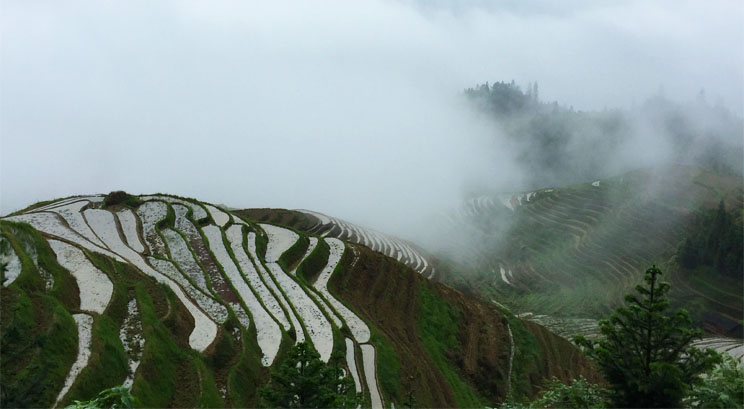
557, 145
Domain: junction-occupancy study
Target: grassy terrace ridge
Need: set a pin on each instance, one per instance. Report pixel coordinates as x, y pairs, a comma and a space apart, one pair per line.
291, 258
314, 263
403, 310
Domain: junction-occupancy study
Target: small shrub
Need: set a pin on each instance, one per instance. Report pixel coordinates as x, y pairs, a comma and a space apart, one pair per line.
722, 387
116, 397
120, 197
579, 394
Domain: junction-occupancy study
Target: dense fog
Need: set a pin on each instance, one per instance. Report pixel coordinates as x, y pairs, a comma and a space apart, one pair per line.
359, 110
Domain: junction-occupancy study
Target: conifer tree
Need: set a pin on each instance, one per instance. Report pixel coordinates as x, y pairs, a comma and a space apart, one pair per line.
304, 381
645, 354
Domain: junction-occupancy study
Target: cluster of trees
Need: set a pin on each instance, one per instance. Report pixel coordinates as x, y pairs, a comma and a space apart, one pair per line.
503, 98
715, 242
560, 145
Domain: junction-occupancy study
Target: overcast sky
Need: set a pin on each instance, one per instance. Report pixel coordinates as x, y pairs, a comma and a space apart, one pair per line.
346, 107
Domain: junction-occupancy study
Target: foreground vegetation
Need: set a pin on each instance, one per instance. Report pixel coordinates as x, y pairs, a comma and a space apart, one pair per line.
645, 354
304, 381
647, 359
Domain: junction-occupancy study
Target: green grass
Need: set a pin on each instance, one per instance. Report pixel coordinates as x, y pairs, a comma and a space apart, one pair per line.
586, 299
39, 345
170, 219
262, 240
107, 366
210, 396
388, 366
527, 357
725, 288
22, 236
39, 336
315, 262
247, 375
166, 376
438, 326
293, 255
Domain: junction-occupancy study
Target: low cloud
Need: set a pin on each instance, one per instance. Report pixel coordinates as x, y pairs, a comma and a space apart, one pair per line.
350, 109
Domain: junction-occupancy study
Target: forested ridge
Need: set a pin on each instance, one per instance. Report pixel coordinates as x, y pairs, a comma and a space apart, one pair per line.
560, 145
714, 242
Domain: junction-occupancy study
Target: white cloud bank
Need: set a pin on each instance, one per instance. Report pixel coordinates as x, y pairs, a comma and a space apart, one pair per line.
349, 108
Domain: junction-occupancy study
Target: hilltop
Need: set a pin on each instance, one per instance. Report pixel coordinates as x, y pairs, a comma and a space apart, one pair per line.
191, 304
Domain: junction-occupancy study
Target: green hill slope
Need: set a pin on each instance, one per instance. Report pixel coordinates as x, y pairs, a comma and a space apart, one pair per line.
575, 251
192, 305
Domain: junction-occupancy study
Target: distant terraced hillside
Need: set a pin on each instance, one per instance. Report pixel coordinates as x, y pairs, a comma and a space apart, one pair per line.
575, 251
327, 226
191, 305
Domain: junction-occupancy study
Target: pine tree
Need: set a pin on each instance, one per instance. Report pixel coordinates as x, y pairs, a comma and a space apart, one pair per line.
646, 355
688, 255
304, 381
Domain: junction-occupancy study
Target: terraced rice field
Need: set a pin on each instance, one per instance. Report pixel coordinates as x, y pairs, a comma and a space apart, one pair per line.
405, 252
10, 260
95, 287
270, 282
84, 324
568, 327
268, 332
216, 311
210, 260
575, 251
132, 339
150, 213
733, 347
53, 225
368, 354
128, 222
72, 215
358, 328
251, 274
351, 364
220, 218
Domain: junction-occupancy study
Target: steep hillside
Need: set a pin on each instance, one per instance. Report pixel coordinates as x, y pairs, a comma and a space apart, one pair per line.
575, 251
192, 305
465, 346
